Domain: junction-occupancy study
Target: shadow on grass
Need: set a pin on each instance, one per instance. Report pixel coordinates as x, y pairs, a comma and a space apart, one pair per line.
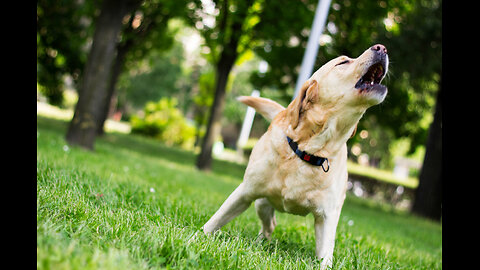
146, 146
281, 246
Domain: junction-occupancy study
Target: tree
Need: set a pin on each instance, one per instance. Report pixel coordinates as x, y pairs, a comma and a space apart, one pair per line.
93, 90
145, 30
226, 40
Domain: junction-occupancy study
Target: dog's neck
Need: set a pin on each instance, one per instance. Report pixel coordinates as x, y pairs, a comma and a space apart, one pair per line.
334, 133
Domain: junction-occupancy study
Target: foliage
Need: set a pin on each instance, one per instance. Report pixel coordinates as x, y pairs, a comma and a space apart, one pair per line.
221, 22
283, 33
240, 86
158, 75
58, 21
147, 34
165, 122
146, 29
136, 204
204, 97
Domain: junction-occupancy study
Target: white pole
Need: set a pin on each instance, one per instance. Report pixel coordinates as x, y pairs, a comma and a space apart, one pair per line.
312, 46
247, 124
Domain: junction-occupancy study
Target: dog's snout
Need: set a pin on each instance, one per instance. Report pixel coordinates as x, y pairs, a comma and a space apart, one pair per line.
379, 48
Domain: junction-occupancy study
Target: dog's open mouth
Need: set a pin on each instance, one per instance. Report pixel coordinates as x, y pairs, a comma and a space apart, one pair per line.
372, 78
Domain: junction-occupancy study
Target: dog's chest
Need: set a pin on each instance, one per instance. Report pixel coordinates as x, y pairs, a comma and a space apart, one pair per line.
300, 194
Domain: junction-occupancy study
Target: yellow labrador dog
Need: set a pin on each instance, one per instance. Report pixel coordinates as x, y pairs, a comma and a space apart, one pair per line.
299, 165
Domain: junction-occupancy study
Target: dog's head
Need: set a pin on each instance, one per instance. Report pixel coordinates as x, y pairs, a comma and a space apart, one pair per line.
343, 86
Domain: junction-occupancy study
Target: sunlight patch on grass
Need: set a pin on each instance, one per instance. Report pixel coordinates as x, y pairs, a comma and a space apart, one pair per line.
47, 110
381, 175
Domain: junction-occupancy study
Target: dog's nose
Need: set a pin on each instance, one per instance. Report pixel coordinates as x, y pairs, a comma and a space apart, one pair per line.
379, 48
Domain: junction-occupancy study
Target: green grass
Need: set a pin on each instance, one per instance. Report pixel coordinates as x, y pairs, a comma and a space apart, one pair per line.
136, 204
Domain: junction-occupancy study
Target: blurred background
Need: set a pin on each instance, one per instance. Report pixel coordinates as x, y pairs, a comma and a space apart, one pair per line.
171, 69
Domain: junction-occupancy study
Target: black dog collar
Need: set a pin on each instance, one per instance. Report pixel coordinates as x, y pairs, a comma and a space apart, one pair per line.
314, 160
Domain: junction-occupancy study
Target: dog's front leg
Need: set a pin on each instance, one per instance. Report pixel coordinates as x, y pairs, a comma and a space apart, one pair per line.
233, 206
325, 229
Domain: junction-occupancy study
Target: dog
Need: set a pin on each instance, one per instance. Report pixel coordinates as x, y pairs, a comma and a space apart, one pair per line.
299, 165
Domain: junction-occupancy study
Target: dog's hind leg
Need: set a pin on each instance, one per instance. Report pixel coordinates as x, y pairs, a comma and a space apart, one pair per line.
233, 206
266, 213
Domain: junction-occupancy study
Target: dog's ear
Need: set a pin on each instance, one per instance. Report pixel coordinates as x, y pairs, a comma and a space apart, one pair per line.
354, 131
307, 95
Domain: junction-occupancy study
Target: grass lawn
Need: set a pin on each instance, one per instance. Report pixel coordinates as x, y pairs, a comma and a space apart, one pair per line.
136, 204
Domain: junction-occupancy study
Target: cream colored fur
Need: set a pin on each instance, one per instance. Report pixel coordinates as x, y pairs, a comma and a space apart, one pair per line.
321, 119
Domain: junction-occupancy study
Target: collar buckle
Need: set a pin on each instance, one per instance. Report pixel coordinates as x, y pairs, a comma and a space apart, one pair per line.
328, 168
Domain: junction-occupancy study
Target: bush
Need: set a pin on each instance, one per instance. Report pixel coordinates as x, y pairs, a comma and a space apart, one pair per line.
164, 121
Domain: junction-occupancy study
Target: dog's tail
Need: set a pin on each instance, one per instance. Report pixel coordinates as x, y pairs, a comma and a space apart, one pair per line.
266, 107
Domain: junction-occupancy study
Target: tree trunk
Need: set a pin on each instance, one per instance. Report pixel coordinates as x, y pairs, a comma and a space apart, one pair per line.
428, 196
131, 37
227, 58
112, 85
204, 160
93, 90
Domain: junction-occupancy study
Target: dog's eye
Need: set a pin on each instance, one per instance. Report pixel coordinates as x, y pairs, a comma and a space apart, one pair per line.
343, 62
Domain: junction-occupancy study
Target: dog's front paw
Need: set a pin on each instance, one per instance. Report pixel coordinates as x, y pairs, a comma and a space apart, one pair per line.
205, 231
208, 230
326, 263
